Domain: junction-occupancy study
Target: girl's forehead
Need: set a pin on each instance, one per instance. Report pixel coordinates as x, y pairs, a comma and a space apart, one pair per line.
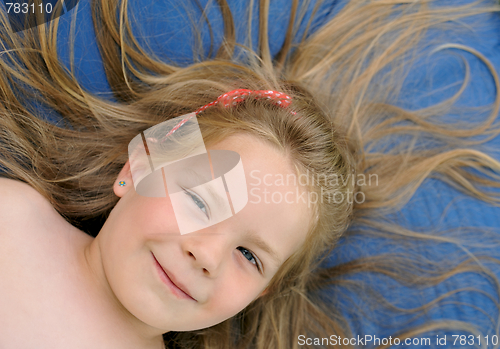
269, 174
256, 154
278, 206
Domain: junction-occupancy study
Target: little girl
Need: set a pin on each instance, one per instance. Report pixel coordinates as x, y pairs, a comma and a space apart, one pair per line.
97, 252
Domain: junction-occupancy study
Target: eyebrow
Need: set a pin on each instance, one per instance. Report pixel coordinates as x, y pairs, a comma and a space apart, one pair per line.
253, 238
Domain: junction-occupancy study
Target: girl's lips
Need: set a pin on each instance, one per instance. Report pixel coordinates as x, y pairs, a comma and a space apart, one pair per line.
167, 279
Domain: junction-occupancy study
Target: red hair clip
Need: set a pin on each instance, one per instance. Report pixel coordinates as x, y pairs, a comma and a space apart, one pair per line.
234, 97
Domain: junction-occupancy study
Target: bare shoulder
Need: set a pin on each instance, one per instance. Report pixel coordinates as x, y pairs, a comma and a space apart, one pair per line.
22, 209
29, 225
38, 254
19, 198
11, 186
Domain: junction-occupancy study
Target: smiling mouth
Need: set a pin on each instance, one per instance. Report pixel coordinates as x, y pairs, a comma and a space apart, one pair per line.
178, 291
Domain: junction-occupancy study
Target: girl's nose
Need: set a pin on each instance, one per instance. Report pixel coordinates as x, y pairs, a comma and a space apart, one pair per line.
207, 251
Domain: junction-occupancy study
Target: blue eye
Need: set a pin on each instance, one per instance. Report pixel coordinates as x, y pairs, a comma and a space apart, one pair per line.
198, 201
247, 254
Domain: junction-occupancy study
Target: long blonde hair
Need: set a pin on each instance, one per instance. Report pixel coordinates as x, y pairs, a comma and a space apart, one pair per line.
342, 92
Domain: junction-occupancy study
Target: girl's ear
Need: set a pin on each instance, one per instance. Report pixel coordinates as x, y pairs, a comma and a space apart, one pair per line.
123, 182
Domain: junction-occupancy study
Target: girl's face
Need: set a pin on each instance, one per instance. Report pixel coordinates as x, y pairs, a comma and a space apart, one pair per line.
223, 267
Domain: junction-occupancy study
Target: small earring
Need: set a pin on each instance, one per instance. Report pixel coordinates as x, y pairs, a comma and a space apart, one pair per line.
121, 184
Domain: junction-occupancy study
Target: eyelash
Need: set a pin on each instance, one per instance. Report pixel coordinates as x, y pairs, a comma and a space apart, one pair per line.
200, 200
196, 198
254, 257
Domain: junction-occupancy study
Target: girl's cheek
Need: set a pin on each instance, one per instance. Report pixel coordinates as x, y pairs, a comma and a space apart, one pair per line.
158, 218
